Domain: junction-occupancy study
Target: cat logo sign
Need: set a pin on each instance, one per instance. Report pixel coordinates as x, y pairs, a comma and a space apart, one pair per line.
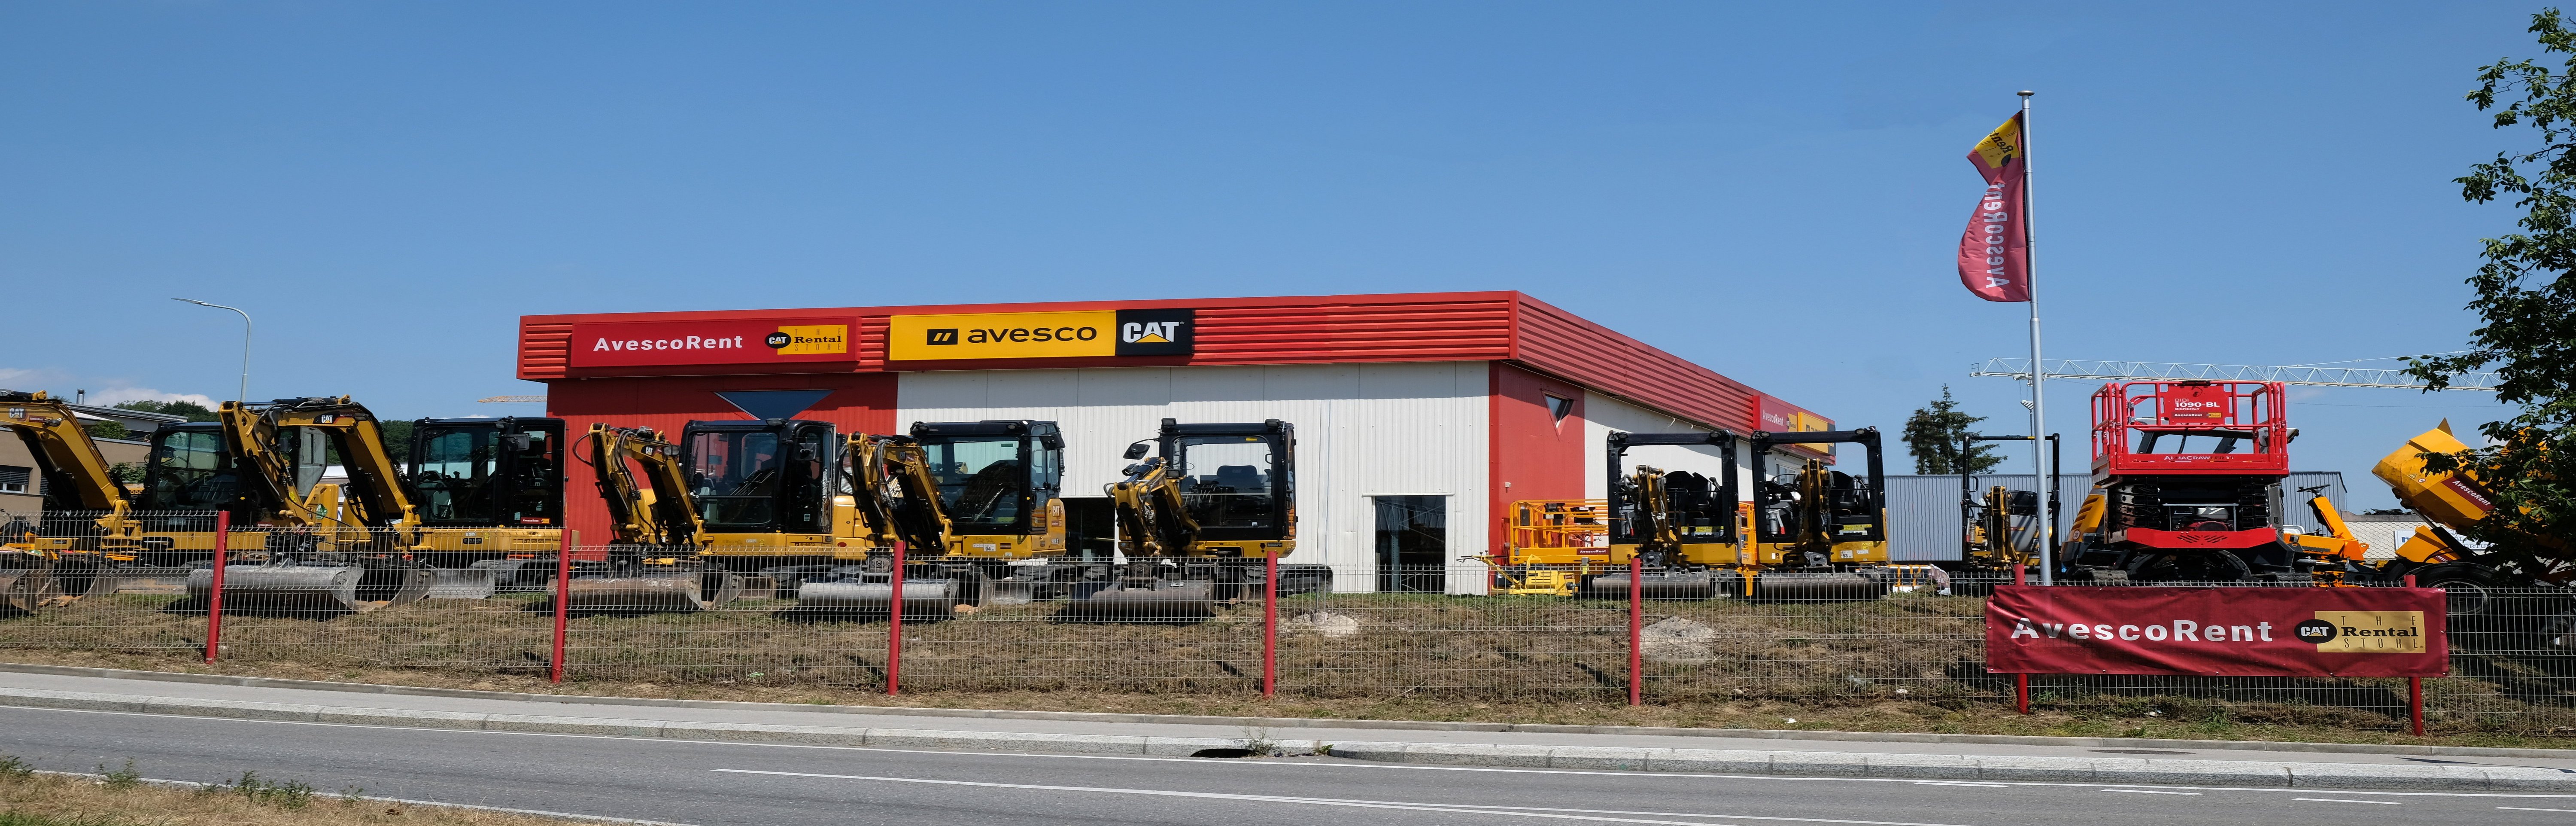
1084, 333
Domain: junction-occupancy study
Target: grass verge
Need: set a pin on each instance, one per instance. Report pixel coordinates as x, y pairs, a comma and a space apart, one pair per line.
122, 799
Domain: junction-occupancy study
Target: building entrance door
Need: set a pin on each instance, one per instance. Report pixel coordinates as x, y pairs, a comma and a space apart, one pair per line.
1412, 543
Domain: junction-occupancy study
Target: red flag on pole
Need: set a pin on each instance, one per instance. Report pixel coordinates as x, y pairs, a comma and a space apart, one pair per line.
1994, 253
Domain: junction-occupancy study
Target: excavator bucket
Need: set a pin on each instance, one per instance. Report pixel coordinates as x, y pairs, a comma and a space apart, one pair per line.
23, 590
460, 583
923, 599
1662, 587
1818, 587
651, 591
313, 589
1168, 600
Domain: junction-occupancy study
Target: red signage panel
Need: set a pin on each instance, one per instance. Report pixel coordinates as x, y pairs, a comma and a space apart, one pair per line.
2238, 632
735, 341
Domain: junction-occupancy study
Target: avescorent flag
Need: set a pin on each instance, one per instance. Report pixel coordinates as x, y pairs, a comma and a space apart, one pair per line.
1994, 253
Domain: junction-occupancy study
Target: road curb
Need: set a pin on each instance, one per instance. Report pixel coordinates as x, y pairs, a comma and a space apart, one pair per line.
1296, 722
2107, 771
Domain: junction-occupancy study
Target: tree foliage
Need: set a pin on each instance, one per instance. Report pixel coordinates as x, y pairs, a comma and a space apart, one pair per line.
1934, 433
193, 411
2526, 297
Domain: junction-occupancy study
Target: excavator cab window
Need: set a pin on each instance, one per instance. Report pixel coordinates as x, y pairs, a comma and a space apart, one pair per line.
982, 482
1226, 481
189, 470
455, 473
734, 477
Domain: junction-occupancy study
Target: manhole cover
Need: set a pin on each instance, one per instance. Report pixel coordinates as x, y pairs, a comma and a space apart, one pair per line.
2139, 751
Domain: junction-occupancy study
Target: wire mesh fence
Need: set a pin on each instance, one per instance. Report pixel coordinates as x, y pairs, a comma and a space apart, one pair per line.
1459, 632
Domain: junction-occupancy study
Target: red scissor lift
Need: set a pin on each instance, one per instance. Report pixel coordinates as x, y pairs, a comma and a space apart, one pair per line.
2186, 484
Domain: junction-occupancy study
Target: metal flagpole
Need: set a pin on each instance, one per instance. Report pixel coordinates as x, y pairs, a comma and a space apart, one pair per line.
2039, 447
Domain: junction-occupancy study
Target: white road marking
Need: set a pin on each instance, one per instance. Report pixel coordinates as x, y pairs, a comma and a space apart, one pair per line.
2151, 791
2338, 800
1955, 783
1552, 814
2528, 809
1281, 764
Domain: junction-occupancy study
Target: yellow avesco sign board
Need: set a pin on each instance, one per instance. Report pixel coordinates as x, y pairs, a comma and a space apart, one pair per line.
1073, 334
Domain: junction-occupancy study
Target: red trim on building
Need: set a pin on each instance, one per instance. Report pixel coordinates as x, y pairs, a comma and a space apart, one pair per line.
1408, 327
1535, 455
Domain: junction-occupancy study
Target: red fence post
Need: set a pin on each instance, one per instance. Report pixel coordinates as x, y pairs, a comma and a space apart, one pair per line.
1270, 625
1636, 631
2021, 682
894, 630
563, 595
2415, 690
215, 589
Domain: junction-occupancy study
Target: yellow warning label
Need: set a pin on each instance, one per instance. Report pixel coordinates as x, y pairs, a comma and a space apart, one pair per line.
2365, 632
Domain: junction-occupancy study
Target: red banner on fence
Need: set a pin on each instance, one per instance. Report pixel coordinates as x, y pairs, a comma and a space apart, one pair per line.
2237, 632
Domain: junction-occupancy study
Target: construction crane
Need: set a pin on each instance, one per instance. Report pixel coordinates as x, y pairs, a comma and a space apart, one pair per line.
2312, 376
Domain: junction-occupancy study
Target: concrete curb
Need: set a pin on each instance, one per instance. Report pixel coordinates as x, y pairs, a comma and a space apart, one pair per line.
2108, 771
1296, 722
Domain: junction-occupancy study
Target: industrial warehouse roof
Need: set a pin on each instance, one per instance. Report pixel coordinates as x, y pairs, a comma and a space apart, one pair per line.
1474, 326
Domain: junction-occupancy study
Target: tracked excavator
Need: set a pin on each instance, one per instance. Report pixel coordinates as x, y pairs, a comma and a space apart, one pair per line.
1196, 521
350, 553
1815, 533
732, 497
972, 503
99, 529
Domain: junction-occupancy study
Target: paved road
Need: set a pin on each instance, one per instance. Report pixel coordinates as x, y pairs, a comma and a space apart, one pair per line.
774, 785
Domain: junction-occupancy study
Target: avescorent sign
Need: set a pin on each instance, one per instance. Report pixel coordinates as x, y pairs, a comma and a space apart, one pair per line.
762, 341
2245, 632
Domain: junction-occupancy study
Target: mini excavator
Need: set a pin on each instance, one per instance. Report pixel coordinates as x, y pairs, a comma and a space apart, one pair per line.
1197, 520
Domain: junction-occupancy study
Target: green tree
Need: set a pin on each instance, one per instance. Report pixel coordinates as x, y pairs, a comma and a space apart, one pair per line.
1933, 434
2526, 300
110, 429
193, 411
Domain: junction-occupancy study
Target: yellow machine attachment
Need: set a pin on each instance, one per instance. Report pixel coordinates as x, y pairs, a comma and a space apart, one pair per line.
1553, 545
1826, 527
2451, 502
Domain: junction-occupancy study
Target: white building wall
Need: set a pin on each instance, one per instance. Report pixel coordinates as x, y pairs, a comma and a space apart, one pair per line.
1602, 414
1363, 430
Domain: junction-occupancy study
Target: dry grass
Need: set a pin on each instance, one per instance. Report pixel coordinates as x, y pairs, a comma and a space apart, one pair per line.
1908, 663
56, 800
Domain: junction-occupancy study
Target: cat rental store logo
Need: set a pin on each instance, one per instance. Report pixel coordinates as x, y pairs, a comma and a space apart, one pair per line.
1093, 333
2364, 632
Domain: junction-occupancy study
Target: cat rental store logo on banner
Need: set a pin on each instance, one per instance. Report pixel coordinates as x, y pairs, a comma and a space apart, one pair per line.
1092, 333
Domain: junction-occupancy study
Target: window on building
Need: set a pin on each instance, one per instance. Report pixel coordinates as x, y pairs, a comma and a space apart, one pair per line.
14, 479
1412, 543
1559, 407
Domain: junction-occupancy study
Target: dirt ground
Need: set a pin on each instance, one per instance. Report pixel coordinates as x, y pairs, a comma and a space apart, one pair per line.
56, 800
1899, 665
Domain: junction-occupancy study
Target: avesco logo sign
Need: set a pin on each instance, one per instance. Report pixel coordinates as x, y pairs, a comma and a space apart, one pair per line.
2181, 630
605, 345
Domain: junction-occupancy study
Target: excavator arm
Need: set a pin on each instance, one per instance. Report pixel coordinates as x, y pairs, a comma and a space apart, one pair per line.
250, 436
655, 510
76, 475
1153, 520
895, 493
375, 479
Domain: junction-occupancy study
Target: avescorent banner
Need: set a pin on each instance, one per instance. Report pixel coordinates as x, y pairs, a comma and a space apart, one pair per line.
2241, 632
1994, 253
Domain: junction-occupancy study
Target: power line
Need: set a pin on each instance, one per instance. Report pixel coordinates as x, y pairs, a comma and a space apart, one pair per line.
2310, 376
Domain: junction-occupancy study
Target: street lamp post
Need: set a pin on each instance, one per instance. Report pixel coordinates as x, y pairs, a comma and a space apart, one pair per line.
244, 395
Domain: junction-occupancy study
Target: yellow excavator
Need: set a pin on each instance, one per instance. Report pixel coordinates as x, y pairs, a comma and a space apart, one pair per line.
688, 519
2449, 503
1196, 521
97, 528
971, 502
345, 550
1819, 533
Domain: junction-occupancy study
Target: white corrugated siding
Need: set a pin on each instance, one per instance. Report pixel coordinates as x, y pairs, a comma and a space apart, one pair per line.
1363, 430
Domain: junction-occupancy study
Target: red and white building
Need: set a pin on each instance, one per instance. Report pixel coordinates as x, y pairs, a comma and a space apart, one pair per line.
1420, 417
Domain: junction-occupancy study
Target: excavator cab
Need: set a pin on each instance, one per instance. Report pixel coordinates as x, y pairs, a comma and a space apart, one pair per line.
1819, 532
482, 473
999, 483
1217, 497
762, 485
189, 475
1237, 483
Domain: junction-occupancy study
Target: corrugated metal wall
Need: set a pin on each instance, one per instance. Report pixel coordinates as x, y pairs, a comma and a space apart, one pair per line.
1363, 430
1923, 511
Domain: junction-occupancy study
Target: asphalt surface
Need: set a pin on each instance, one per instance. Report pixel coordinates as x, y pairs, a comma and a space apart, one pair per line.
712, 783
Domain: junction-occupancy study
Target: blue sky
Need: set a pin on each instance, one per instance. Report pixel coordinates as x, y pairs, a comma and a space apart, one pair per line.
1770, 192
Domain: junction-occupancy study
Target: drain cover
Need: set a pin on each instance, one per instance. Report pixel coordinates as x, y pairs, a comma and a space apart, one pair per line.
2139, 751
